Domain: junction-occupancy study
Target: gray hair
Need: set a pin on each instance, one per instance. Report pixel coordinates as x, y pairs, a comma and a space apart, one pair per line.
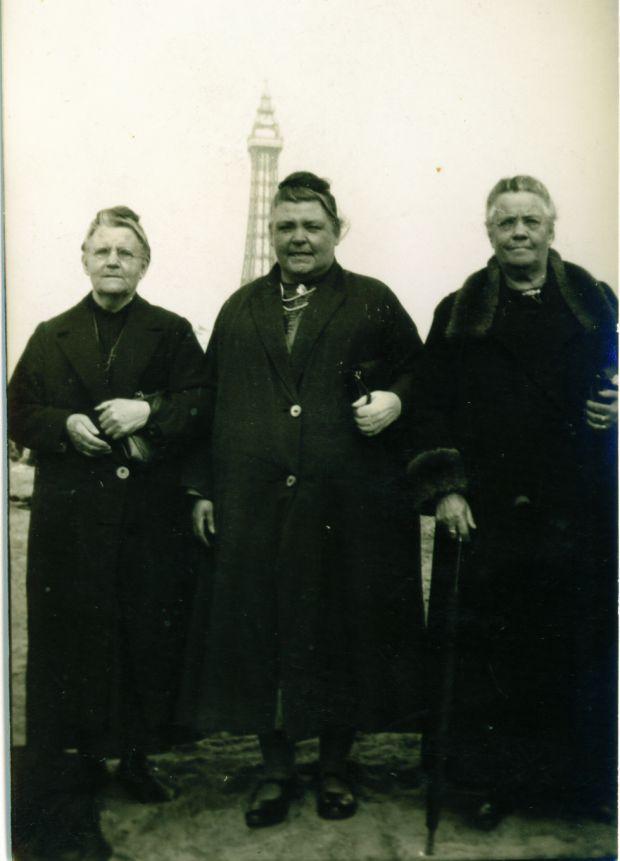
120, 216
520, 183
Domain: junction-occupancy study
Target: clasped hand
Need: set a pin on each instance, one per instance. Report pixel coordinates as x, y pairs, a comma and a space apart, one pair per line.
122, 416
383, 409
118, 418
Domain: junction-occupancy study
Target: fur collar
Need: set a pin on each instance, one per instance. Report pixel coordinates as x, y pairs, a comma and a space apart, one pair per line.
474, 307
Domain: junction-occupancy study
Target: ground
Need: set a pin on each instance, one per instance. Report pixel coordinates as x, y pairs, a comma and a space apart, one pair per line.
204, 822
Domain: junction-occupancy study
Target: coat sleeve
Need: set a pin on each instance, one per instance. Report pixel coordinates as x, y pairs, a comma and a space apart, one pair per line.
175, 411
610, 329
436, 466
33, 422
403, 351
197, 473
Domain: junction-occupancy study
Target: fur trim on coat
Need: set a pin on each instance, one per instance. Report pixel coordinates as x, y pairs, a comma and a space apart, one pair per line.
476, 302
435, 474
470, 314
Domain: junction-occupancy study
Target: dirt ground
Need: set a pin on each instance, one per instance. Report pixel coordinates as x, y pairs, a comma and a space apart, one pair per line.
212, 778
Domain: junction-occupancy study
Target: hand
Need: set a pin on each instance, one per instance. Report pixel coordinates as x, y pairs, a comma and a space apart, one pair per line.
603, 416
84, 436
203, 513
383, 409
122, 416
454, 514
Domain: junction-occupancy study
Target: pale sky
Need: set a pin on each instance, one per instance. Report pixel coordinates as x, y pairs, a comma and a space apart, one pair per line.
412, 108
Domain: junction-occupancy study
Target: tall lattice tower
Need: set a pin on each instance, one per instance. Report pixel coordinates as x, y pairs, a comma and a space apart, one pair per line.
264, 146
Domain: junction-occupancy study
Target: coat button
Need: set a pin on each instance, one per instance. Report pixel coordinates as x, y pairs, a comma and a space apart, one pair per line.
122, 472
291, 480
295, 410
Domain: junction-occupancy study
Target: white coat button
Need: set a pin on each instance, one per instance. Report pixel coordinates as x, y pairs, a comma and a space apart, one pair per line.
290, 480
122, 472
295, 410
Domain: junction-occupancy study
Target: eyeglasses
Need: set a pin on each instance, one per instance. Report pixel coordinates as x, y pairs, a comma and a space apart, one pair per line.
123, 254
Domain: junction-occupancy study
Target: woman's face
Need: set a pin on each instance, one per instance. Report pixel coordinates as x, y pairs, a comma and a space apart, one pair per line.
303, 239
113, 259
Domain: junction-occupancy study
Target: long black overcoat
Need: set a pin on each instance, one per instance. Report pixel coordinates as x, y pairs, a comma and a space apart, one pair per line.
316, 590
507, 430
108, 583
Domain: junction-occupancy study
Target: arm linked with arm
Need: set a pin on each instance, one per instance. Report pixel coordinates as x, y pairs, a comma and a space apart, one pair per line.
435, 468
404, 350
175, 412
196, 474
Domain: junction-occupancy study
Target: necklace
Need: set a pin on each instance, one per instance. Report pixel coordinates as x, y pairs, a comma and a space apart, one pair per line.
298, 301
107, 365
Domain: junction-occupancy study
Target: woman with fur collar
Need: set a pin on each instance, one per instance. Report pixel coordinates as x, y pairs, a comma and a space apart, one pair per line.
514, 454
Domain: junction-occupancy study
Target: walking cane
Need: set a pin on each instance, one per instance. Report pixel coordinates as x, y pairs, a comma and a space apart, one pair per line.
443, 611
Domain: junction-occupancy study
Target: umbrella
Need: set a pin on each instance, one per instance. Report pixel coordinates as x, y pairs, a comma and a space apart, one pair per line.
443, 611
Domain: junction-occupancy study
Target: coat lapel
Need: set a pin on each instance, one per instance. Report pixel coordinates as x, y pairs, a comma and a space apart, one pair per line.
78, 341
575, 297
475, 304
139, 339
329, 296
266, 310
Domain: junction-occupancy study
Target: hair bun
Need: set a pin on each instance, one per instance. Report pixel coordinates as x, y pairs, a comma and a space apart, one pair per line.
305, 179
125, 212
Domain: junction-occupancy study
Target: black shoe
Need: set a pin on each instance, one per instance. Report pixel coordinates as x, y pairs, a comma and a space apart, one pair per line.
603, 812
490, 813
335, 804
270, 811
136, 777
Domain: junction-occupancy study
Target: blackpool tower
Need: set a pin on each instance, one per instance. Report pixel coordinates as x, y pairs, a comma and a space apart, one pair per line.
264, 146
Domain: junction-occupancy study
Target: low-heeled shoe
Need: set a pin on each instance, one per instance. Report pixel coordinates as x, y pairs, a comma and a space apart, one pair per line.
270, 811
331, 804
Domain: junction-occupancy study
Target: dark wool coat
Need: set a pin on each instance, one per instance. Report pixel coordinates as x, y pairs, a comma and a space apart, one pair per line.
108, 585
500, 420
316, 589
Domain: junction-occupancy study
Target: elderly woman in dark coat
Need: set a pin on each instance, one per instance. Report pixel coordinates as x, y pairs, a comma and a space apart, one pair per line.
515, 438
103, 395
316, 615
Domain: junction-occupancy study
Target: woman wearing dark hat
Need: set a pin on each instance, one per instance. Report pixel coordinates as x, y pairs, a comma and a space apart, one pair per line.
316, 616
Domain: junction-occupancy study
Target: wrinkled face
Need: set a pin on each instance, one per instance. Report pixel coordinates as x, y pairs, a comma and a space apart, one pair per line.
520, 231
303, 238
114, 261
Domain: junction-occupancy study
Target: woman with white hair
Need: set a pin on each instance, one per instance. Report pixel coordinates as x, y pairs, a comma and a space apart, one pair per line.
515, 430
